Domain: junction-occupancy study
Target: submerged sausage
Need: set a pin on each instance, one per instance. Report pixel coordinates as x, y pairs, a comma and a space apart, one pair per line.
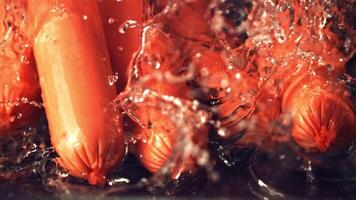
73, 65
158, 142
300, 71
19, 87
156, 145
161, 64
322, 112
19, 92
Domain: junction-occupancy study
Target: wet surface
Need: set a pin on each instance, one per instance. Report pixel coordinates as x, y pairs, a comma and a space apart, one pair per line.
254, 51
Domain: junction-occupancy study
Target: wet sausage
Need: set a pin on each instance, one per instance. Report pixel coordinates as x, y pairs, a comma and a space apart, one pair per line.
322, 111
73, 66
158, 141
19, 87
122, 28
162, 54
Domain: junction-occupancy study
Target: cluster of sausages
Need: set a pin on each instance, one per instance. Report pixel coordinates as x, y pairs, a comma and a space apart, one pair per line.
67, 41
244, 60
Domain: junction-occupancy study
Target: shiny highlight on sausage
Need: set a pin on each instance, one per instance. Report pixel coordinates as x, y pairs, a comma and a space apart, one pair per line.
19, 87
73, 66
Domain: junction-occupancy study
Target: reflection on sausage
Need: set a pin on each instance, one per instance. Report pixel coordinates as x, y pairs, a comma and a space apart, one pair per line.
73, 66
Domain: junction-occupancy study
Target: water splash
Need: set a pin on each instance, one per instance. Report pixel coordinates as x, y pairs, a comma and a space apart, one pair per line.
237, 65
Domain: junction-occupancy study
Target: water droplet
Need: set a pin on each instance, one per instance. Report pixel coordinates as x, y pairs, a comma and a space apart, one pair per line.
112, 79
18, 115
120, 48
127, 25
222, 132
111, 20
238, 76
24, 100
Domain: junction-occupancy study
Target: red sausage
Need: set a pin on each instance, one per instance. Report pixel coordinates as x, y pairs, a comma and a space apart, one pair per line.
303, 72
322, 111
73, 65
19, 85
122, 46
160, 55
157, 142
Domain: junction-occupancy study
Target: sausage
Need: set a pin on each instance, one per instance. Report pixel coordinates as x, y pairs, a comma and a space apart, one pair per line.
19, 94
156, 145
226, 90
122, 46
162, 54
322, 111
73, 66
156, 142
19, 86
